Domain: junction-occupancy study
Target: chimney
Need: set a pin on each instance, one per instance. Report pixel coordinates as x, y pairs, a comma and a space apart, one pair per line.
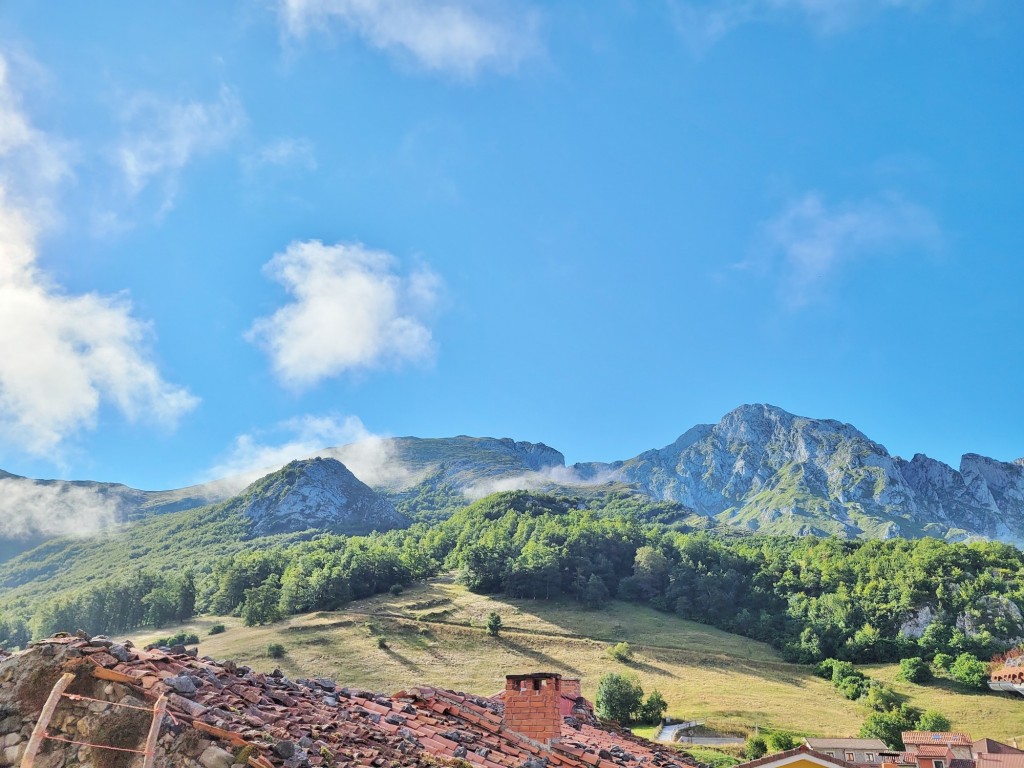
532, 706
571, 688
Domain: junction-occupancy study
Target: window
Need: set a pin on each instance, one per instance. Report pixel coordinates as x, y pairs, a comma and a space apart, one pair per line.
938, 764
869, 757
831, 754
850, 757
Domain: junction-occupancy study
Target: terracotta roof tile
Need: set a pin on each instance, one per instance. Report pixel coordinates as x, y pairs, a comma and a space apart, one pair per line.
935, 737
360, 727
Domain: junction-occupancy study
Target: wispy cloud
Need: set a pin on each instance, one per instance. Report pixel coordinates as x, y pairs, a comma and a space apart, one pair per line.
809, 241
368, 456
459, 37
352, 310
161, 137
702, 24
31, 508
61, 356
287, 153
540, 480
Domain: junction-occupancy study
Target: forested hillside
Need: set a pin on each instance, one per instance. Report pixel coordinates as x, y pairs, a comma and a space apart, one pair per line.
812, 598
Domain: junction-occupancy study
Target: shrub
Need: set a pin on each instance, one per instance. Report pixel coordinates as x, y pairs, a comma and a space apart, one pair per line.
841, 670
933, 721
217, 629
780, 741
275, 651
396, 590
914, 670
653, 709
968, 670
852, 687
180, 638
942, 661
756, 747
824, 668
493, 624
621, 652
881, 698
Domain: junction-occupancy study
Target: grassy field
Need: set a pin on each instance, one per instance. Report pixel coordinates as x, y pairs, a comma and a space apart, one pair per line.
434, 634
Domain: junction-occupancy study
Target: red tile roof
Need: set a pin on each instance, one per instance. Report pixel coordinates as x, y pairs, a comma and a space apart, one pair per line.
935, 737
934, 750
355, 726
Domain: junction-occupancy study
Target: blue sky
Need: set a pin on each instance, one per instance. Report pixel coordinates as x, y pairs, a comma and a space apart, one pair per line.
231, 232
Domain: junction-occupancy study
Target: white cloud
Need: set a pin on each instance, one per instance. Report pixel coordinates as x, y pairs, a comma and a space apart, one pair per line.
809, 241
283, 153
539, 480
351, 311
161, 137
369, 457
702, 24
31, 508
460, 37
61, 355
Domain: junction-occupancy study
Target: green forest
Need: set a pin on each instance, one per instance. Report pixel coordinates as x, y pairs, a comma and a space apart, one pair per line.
812, 598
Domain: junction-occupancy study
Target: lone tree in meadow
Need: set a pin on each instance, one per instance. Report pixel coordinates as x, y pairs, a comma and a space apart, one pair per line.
618, 697
493, 624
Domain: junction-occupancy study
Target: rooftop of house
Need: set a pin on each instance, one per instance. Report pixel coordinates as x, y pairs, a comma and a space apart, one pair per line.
316, 716
802, 754
933, 737
934, 750
869, 745
994, 747
1000, 760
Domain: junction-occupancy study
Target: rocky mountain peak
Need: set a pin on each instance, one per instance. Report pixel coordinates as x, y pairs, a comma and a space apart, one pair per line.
317, 493
536, 456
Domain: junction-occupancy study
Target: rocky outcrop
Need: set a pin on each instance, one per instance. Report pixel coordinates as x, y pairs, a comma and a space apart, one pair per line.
766, 469
759, 468
317, 494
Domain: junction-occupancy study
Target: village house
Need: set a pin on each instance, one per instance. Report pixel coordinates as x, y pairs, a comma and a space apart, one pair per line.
861, 752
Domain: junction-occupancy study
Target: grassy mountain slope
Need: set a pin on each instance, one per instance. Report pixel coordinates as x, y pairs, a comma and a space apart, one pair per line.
434, 634
171, 542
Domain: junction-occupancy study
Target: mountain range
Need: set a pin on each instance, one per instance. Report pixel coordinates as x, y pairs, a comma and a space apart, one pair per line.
760, 468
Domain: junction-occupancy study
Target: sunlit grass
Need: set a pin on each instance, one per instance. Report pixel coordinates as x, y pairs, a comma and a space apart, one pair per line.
435, 635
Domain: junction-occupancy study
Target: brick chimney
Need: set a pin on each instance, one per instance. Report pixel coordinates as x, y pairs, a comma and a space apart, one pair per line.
532, 705
571, 688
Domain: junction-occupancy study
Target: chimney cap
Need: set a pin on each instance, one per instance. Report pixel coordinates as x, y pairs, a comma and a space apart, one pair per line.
535, 676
